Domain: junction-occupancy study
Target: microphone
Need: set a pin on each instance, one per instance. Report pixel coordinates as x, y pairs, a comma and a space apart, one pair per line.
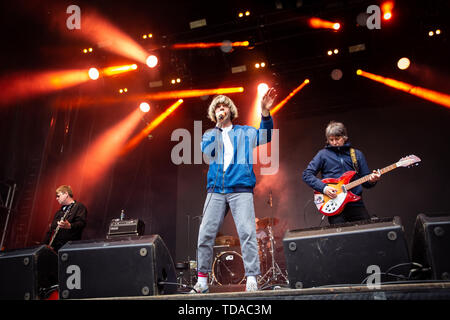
221, 115
270, 198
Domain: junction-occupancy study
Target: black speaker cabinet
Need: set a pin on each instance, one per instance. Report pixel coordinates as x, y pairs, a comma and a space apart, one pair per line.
133, 266
431, 245
26, 273
345, 254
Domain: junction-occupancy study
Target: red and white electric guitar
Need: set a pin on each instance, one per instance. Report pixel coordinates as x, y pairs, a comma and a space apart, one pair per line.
331, 207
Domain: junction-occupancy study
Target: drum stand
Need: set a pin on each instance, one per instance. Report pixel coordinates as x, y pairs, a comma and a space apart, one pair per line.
274, 275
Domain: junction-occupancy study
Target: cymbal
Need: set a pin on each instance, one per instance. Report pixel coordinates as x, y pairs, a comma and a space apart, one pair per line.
227, 240
267, 221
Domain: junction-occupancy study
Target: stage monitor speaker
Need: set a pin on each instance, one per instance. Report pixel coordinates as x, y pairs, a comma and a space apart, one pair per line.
346, 254
133, 266
26, 273
431, 245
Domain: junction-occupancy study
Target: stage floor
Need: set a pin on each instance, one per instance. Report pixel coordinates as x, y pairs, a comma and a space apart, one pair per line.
431, 290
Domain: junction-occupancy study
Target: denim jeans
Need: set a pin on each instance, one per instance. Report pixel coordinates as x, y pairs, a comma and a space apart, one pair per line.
243, 211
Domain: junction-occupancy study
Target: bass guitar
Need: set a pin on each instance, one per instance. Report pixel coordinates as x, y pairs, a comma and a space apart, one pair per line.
66, 213
333, 206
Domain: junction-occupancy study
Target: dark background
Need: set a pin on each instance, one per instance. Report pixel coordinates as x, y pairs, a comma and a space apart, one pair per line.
385, 123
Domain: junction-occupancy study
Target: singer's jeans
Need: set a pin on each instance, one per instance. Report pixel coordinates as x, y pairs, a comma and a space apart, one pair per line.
243, 211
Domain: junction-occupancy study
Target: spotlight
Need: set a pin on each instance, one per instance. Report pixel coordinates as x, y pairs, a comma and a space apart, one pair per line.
173, 81
144, 106
359, 72
330, 52
263, 64
431, 33
144, 36
336, 51
336, 26
90, 50
403, 63
257, 65
85, 50
178, 80
152, 61
134, 66
438, 31
247, 13
387, 16
262, 88
120, 90
150, 35
240, 15
125, 90
93, 73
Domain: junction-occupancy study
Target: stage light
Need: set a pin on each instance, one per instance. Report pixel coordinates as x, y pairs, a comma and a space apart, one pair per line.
263, 64
386, 9
318, 23
247, 13
144, 36
178, 80
85, 50
431, 33
134, 66
90, 49
173, 81
145, 107
257, 65
120, 90
403, 63
111, 71
93, 73
289, 97
125, 90
330, 52
359, 72
427, 94
438, 31
241, 14
152, 61
336, 74
336, 51
262, 88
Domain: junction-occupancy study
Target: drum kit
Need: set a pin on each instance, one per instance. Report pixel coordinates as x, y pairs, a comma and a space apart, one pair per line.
228, 265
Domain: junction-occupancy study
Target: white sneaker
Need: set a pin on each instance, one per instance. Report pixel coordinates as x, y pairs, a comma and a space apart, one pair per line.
251, 286
199, 288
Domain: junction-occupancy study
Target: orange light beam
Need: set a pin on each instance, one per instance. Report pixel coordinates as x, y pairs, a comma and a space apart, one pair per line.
289, 97
30, 84
192, 93
93, 164
427, 94
110, 71
150, 127
204, 45
386, 9
318, 23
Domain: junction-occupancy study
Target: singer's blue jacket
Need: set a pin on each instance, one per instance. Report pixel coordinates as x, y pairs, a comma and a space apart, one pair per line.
239, 176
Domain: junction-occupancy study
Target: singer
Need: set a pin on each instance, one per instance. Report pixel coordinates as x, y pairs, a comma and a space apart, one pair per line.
230, 184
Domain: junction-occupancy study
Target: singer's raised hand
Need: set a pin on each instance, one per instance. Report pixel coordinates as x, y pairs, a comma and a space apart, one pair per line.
267, 101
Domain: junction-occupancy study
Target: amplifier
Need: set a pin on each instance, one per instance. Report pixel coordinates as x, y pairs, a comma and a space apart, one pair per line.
128, 227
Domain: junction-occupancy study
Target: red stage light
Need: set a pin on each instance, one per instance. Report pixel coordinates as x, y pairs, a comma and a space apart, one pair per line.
144, 106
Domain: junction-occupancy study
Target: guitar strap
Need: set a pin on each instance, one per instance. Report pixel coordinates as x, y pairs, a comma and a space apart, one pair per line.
355, 162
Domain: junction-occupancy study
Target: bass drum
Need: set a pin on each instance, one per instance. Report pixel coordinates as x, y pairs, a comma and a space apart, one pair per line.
228, 268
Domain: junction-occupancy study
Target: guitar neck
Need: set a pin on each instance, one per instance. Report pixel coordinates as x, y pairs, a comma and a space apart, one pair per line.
366, 178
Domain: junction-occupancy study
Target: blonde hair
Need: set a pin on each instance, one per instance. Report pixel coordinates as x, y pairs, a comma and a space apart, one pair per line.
65, 189
221, 99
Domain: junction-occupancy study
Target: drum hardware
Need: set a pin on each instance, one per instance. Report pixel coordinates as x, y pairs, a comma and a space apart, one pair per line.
274, 274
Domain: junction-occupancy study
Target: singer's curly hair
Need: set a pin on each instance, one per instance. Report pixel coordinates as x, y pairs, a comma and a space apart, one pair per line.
221, 99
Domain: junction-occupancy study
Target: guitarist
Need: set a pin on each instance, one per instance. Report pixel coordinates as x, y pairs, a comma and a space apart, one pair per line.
334, 160
71, 227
